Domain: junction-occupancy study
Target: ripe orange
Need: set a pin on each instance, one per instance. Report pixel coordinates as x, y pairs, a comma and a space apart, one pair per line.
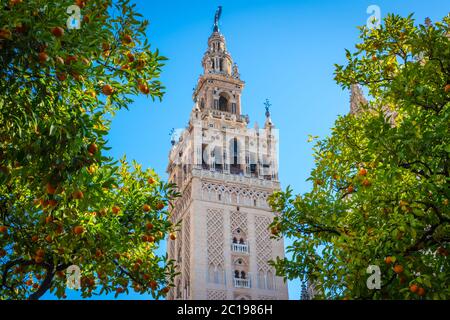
3, 229
274, 231
160, 205
172, 236
43, 57
78, 195
151, 181
93, 148
52, 202
144, 88
80, 3
362, 172
374, 58
70, 59
130, 56
78, 230
14, 2
398, 269
119, 290
165, 290
127, 39
350, 189
148, 238
5, 34
50, 189
421, 292
366, 183
48, 238
388, 260
153, 284
57, 32
107, 90
61, 76
34, 238
40, 252
2, 253
413, 288
149, 226
115, 209
146, 207
447, 88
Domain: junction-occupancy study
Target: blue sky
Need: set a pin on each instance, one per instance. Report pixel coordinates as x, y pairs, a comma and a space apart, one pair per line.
285, 51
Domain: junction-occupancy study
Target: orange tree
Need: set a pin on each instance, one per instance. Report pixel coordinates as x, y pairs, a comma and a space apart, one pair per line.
63, 202
381, 179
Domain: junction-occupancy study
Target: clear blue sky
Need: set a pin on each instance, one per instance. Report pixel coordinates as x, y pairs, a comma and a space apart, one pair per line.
285, 51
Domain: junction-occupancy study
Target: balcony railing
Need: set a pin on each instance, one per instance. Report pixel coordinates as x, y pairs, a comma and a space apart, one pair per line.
241, 283
239, 247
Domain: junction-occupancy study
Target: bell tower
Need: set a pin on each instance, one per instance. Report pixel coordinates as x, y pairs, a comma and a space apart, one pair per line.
225, 172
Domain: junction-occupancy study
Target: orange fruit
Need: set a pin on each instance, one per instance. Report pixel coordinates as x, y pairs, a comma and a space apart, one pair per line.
149, 226
172, 236
160, 205
362, 172
57, 32
130, 57
398, 269
146, 207
50, 189
5, 34
34, 238
127, 39
115, 209
3, 229
413, 288
40, 252
447, 88
61, 76
92, 148
107, 90
153, 284
388, 260
48, 238
2, 253
421, 291
78, 195
350, 189
366, 183
48, 219
43, 57
144, 88
151, 181
78, 230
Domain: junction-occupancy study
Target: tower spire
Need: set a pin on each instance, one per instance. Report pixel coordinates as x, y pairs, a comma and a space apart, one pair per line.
217, 18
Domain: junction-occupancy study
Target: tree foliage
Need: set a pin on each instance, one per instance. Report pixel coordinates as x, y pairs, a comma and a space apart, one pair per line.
381, 179
64, 202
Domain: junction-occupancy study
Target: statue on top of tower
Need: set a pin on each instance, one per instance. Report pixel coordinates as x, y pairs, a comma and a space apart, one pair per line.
217, 18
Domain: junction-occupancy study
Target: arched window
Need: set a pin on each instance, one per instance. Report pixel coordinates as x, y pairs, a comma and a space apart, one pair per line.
243, 274
221, 64
223, 104
241, 241
202, 103
236, 274
234, 240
